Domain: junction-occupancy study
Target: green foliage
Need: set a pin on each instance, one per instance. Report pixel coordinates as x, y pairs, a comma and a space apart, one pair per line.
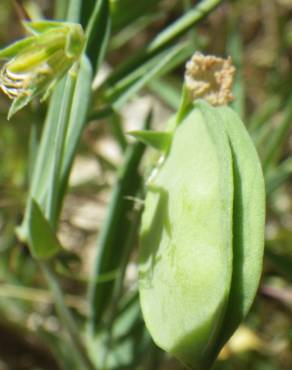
73, 150
41, 238
158, 140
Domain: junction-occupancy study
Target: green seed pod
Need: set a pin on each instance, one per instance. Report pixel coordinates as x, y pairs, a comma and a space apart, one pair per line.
202, 236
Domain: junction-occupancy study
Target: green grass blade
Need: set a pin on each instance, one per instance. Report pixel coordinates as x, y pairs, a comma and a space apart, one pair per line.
282, 263
278, 176
134, 28
45, 153
166, 91
77, 121
127, 11
60, 10
98, 32
234, 48
86, 11
183, 24
157, 66
66, 317
165, 38
73, 10
115, 122
264, 113
43, 167
275, 143
129, 86
53, 198
113, 236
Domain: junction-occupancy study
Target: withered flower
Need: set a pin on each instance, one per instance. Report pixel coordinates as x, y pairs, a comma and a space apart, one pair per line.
37, 62
210, 78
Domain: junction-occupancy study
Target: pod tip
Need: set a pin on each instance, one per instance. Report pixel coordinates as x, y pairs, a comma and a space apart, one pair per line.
211, 78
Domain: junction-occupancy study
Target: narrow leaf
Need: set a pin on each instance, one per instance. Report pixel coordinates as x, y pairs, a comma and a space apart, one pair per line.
157, 139
98, 31
166, 91
159, 65
279, 175
41, 238
77, 120
164, 39
274, 145
183, 24
114, 234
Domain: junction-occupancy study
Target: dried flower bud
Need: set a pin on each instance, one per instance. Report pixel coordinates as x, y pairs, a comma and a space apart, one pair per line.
210, 78
37, 62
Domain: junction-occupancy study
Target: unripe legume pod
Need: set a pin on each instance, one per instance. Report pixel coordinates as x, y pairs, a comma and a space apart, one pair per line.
202, 236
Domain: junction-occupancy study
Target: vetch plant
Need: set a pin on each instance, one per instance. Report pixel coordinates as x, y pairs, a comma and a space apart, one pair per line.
203, 205
202, 231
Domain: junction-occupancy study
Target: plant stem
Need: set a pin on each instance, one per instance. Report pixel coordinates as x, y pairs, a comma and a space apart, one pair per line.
119, 283
65, 316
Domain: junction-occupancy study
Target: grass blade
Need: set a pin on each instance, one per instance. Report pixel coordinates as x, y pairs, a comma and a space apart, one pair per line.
278, 176
274, 145
98, 32
183, 24
126, 88
77, 121
113, 237
165, 38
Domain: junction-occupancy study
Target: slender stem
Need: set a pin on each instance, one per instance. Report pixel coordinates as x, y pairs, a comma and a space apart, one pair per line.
66, 316
119, 284
74, 9
116, 127
60, 9
40, 296
187, 6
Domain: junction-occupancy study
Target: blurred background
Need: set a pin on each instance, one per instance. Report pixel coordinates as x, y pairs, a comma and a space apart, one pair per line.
258, 36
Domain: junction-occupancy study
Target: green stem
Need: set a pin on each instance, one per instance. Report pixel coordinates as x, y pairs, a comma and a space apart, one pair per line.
74, 9
60, 9
117, 129
54, 136
66, 316
119, 283
98, 33
235, 49
63, 120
